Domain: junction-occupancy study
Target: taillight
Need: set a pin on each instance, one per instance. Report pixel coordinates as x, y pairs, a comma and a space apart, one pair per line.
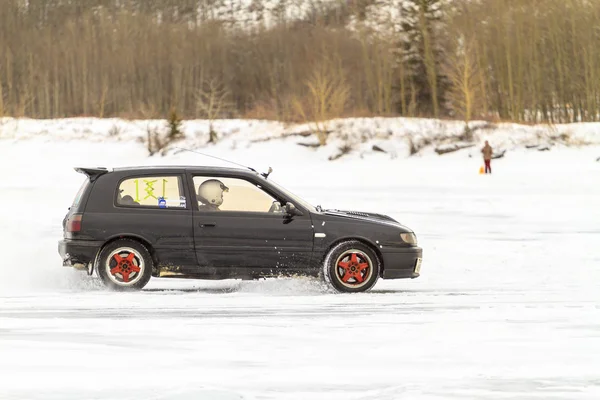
74, 223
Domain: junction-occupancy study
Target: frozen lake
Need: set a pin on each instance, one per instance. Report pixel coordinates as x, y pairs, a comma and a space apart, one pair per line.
507, 307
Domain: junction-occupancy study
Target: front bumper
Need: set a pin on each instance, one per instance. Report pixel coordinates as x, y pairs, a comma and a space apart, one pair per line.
401, 263
78, 253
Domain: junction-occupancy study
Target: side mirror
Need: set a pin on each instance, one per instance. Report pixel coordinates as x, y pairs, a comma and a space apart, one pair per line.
291, 210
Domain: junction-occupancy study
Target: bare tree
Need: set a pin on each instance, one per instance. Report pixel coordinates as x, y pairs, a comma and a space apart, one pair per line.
2, 105
326, 98
460, 67
212, 101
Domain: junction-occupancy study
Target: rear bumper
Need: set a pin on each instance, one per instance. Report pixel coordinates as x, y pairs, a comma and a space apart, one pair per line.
78, 253
401, 263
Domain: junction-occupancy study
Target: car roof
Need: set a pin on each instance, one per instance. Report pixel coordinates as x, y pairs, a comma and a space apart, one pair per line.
95, 173
182, 167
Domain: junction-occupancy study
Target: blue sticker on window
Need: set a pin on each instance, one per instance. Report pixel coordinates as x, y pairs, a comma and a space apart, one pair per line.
162, 203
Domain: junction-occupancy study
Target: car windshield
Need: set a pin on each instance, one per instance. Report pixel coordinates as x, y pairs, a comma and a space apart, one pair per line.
297, 200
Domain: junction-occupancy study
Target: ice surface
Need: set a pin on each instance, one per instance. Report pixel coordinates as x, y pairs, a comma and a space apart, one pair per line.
507, 307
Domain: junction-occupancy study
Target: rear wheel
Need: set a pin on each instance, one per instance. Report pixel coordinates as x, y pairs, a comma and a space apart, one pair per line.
351, 266
125, 265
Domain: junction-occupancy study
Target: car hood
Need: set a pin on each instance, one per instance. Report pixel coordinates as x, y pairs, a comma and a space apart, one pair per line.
364, 216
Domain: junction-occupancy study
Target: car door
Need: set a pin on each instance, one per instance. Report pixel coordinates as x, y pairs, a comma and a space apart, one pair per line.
246, 231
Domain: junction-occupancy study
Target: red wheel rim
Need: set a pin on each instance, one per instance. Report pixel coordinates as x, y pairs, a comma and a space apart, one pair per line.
124, 266
354, 268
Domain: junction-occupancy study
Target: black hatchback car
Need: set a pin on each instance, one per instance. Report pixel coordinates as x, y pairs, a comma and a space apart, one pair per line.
218, 223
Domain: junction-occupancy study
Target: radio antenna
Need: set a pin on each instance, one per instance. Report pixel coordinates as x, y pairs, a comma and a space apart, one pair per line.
266, 175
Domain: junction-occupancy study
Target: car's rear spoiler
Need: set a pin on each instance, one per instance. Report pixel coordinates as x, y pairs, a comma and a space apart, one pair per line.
92, 173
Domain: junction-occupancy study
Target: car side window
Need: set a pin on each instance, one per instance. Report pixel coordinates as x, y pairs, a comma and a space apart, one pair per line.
232, 194
151, 191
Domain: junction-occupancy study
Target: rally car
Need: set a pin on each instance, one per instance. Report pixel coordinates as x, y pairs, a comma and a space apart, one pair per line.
131, 224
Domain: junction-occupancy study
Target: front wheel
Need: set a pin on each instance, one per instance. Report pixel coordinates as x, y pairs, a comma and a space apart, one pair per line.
351, 266
125, 264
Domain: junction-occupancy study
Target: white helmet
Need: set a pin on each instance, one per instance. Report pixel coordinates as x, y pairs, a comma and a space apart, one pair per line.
211, 192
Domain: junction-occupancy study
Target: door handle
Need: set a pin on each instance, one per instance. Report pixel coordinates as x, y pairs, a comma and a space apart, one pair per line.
207, 225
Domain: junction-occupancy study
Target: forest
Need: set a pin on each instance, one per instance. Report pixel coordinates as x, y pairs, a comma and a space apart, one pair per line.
526, 61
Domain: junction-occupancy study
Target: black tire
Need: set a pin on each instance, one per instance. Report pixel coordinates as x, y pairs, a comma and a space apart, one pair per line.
351, 267
125, 264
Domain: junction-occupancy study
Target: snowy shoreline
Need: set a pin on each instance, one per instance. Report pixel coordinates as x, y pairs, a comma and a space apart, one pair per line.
359, 136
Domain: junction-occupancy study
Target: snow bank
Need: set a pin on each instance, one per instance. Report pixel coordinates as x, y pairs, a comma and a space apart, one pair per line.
396, 137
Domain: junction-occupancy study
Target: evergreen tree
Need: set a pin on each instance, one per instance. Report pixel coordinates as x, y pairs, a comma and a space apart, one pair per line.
174, 126
422, 24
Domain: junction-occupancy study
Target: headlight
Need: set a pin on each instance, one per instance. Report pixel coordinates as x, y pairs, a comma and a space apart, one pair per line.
409, 238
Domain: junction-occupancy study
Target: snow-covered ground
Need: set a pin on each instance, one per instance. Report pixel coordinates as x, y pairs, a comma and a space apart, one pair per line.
507, 307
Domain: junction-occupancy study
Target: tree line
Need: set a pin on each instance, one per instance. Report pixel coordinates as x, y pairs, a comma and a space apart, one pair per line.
518, 60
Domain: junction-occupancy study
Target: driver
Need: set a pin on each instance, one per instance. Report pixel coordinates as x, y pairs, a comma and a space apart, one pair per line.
210, 193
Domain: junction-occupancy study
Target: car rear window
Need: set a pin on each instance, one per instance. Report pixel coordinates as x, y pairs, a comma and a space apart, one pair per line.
151, 191
80, 192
